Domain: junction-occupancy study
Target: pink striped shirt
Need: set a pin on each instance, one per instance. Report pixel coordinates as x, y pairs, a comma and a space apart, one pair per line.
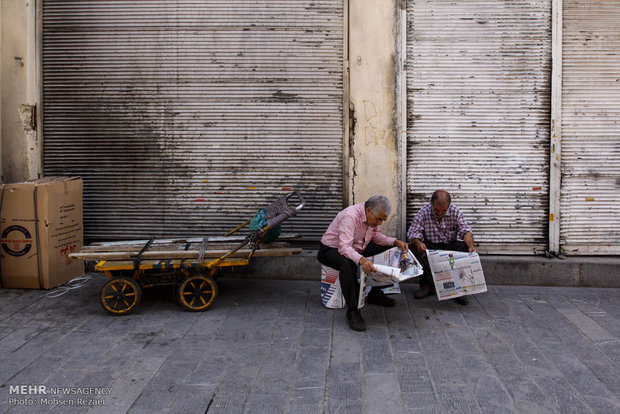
350, 234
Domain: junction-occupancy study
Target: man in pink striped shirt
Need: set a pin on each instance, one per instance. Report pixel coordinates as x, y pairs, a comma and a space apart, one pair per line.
352, 236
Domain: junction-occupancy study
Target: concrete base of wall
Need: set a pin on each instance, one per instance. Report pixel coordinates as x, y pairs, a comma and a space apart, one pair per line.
498, 270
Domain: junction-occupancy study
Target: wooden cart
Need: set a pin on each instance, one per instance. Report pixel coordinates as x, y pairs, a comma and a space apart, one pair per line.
188, 264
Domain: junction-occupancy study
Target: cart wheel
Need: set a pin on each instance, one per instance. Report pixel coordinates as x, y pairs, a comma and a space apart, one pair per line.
120, 295
197, 293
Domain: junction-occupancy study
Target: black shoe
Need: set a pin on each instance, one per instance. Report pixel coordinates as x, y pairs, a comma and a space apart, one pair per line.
356, 322
377, 297
462, 300
423, 292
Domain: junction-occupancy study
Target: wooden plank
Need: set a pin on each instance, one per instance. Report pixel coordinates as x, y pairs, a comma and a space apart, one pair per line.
181, 254
172, 246
214, 239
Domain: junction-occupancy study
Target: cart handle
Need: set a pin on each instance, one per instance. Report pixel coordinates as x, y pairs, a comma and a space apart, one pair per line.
301, 199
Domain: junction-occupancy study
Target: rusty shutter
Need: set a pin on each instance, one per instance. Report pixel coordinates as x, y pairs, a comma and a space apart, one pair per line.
184, 117
478, 104
590, 191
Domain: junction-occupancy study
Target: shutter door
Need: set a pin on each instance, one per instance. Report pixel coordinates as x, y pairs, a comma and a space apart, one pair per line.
478, 104
184, 117
590, 192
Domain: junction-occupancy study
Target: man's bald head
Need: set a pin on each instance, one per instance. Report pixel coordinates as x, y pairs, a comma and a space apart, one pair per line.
440, 201
442, 196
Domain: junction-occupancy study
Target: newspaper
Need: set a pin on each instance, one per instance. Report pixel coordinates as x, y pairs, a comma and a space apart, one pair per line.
456, 273
396, 266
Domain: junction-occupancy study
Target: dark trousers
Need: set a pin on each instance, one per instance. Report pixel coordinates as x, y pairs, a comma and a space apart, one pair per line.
329, 256
427, 277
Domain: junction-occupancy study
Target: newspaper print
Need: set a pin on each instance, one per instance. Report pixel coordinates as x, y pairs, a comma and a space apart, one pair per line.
456, 273
405, 265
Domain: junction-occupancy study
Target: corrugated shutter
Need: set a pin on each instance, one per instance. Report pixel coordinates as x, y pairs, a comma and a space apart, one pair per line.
590, 192
186, 117
478, 104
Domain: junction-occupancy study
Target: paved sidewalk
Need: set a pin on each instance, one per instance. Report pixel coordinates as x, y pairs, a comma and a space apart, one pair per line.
269, 347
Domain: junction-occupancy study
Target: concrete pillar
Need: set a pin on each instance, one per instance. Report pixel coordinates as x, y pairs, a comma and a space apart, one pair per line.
19, 91
373, 63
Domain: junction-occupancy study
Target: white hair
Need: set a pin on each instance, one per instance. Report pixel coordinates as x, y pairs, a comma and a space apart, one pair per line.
378, 204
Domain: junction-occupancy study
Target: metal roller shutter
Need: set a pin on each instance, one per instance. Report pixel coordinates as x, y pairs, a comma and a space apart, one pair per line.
590, 192
478, 104
185, 117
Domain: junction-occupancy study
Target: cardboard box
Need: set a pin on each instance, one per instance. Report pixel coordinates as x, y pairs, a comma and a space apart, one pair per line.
40, 224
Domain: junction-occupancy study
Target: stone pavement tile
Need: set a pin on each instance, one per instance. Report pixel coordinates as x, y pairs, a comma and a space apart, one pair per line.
316, 336
209, 369
590, 368
161, 390
400, 323
413, 374
268, 403
374, 316
287, 334
36, 347
20, 335
376, 351
55, 356
381, 394
192, 398
344, 389
317, 317
346, 344
488, 389
297, 408
555, 385
344, 406
582, 322
130, 384
247, 360
308, 397
274, 382
344, 371
528, 397
191, 347
277, 360
231, 395
491, 394
312, 365
521, 374
37, 408
98, 345
461, 402
169, 338
420, 403
16, 302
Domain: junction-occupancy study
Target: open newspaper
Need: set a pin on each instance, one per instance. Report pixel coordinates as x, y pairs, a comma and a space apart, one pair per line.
456, 273
392, 266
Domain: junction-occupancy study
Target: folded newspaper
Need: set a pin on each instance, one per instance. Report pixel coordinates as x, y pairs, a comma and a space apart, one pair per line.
391, 267
456, 273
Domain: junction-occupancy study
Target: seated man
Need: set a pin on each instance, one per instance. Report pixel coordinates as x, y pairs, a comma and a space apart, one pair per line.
437, 227
352, 236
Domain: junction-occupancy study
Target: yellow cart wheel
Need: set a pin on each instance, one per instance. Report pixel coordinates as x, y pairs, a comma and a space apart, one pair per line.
197, 293
120, 295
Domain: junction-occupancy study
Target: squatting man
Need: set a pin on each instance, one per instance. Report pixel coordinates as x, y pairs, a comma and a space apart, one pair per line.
353, 236
439, 225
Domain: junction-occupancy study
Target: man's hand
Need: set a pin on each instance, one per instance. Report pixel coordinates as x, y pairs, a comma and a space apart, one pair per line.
468, 238
419, 245
367, 265
404, 246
